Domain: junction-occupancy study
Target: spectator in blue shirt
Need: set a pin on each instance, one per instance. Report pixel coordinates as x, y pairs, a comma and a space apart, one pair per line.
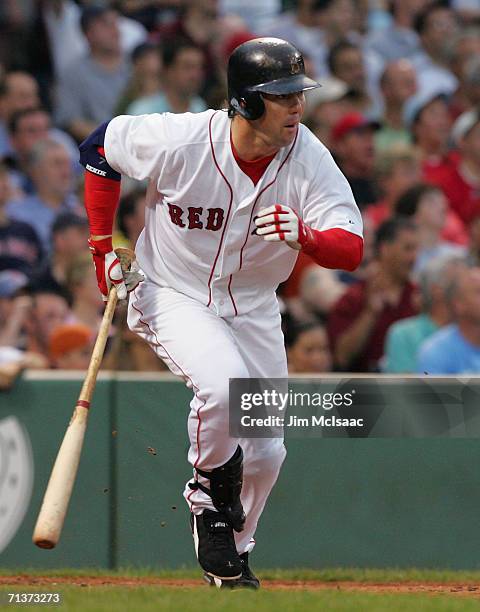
405, 337
455, 349
51, 173
26, 127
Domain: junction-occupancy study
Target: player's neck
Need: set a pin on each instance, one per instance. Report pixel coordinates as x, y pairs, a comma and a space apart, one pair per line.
248, 142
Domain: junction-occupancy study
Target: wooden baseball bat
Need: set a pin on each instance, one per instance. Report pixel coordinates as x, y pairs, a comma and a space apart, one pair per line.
59, 489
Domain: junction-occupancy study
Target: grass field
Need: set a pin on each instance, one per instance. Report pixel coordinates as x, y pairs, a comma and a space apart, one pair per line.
342, 590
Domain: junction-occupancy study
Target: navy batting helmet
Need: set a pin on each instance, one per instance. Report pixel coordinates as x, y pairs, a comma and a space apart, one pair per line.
264, 65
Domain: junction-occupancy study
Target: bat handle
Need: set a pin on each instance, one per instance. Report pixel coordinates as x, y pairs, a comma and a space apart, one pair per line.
97, 354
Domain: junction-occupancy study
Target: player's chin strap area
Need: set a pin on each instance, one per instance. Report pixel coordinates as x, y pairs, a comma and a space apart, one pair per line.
225, 488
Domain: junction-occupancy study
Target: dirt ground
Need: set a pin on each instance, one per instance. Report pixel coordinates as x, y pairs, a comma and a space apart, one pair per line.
461, 589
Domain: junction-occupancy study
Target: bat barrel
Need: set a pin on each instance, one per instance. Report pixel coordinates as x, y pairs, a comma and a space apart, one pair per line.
59, 489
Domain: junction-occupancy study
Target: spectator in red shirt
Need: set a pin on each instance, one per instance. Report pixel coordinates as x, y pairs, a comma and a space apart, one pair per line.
428, 117
360, 319
461, 182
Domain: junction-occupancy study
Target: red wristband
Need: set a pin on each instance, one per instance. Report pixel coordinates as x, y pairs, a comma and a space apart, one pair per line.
102, 246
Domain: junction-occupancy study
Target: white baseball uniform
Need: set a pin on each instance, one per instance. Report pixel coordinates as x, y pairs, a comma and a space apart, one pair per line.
208, 305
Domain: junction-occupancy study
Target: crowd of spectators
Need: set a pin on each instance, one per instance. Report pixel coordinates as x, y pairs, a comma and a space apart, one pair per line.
399, 108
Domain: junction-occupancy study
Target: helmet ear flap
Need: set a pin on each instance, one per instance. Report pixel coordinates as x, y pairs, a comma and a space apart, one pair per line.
250, 106
254, 106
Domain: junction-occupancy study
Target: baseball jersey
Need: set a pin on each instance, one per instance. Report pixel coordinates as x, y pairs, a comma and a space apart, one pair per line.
200, 206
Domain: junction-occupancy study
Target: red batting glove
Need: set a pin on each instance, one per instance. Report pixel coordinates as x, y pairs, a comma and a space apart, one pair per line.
107, 267
280, 222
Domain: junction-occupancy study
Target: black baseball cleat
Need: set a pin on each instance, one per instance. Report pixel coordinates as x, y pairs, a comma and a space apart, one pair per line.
247, 580
215, 546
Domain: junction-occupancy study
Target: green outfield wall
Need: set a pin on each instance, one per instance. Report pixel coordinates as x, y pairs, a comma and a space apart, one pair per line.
338, 502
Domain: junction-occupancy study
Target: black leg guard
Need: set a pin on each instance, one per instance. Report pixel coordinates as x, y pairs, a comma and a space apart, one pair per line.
225, 488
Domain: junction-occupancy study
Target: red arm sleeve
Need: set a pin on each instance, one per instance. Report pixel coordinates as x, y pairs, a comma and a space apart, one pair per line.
101, 201
334, 248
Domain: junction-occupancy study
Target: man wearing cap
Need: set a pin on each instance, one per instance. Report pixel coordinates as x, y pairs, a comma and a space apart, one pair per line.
352, 139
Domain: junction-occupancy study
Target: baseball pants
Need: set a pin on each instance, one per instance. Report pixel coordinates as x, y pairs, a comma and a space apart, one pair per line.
206, 350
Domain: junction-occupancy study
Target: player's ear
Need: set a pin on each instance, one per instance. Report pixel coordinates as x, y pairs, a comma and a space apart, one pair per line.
243, 103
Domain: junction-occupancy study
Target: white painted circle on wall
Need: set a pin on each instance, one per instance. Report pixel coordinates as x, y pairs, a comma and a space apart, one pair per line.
16, 477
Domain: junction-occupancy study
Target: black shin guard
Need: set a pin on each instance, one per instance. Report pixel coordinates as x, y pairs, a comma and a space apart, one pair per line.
225, 488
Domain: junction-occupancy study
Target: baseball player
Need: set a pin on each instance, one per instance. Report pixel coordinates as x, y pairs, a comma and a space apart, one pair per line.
232, 197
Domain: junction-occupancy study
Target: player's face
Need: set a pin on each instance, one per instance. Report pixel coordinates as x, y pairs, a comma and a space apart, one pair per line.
279, 123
